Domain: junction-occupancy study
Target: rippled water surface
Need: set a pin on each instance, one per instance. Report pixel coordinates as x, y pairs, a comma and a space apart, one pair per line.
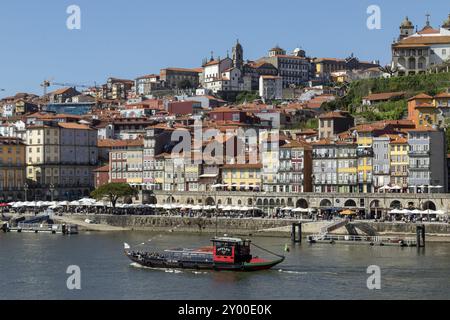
34, 267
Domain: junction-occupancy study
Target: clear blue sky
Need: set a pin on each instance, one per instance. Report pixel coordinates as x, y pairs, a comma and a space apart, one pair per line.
135, 37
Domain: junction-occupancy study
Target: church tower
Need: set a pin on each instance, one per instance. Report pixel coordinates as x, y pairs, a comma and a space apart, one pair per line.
446, 24
238, 56
406, 29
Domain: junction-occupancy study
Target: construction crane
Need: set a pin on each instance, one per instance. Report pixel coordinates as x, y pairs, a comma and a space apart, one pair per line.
48, 83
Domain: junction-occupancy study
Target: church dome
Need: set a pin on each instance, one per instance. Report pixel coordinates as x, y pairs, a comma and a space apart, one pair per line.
406, 24
446, 23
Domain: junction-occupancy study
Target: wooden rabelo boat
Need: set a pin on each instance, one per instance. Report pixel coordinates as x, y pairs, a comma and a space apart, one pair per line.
231, 254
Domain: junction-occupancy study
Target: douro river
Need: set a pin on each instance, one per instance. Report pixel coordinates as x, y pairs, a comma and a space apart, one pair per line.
36, 266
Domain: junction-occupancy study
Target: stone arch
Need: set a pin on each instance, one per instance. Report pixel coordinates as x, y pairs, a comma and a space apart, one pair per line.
239, 202
259, 203
170, 200
229, 201
325, 203
302, 203
210, 201
250, 201
266, 202
277, 202
422, 63
429, 205
219, 202
375, 204
350, 203
411, 205
190, 201
396, 205
283, 203
412, 63
272, 202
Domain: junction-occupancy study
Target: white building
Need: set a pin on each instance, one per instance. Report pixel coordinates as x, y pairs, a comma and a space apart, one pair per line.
271, 87
416, 52
14, 130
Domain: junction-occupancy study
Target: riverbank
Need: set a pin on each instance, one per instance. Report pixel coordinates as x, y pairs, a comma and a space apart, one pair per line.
245, 227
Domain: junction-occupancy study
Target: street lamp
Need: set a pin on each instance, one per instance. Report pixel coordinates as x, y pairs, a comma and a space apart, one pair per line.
52, 189
25, 187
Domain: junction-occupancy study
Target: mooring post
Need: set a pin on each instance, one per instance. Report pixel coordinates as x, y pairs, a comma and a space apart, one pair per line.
299, 233
293, 233
423, 236
295, 227
420, 235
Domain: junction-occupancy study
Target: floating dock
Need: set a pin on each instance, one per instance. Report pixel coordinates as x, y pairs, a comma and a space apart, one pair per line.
363, 240
41, 228
326, 237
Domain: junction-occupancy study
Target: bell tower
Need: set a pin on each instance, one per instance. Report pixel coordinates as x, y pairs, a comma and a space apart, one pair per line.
238, 56
406, 29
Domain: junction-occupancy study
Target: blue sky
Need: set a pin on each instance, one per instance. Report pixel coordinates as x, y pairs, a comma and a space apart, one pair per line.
135, 37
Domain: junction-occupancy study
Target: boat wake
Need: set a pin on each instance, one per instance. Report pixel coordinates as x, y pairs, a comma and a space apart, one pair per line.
139, 266
292, 272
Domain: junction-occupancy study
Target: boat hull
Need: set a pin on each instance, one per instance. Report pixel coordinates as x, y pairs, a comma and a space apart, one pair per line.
204, 265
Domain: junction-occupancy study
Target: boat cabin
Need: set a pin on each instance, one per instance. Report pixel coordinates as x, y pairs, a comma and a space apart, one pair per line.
231, 250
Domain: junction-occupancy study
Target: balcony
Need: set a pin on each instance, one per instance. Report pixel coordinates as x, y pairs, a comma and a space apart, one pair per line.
420, 167
365, 152
419, 152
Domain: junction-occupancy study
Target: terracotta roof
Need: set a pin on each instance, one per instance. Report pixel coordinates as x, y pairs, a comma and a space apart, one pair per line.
443, 95
399, 140
384, 96
295, 144
148, 76
72, 125
60, 91
420, 96
197, 70
109, 143
423, 40
428, 30
334, 114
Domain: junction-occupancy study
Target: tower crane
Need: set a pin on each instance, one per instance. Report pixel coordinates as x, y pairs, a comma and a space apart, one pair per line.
48, 83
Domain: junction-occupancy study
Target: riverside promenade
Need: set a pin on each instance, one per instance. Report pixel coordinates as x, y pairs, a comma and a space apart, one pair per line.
246, 226
269, 201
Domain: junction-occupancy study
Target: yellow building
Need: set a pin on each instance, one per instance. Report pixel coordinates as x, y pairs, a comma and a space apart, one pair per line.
43, 154
399, 162
242, 176
347, 167
365, 158
12, 169
134, 162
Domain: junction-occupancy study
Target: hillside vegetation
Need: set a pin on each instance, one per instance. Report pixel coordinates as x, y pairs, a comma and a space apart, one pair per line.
431, 84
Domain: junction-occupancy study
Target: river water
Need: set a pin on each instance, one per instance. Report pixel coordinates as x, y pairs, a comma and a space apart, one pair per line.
33, 266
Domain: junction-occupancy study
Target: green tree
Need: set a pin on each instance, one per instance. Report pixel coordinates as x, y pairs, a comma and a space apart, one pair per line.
113, 192
247, 96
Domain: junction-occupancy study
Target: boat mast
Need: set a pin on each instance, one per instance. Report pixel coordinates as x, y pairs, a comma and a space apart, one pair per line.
217, 210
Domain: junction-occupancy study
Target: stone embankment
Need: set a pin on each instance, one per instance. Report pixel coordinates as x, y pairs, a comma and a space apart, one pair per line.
245, 227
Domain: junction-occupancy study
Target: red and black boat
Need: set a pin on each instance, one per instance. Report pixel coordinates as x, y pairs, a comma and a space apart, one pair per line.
231, 254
